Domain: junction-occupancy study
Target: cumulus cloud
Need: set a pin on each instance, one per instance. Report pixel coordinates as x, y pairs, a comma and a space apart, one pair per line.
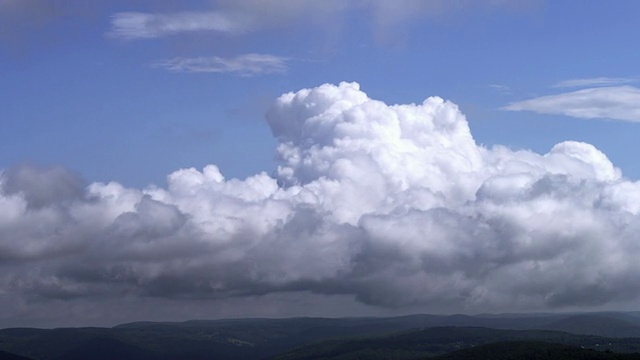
244, 65
614, 102
394, 206
42, 187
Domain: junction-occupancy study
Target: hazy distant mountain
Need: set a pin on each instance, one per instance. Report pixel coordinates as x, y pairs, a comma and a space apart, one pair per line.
265, 338
201, 339
436, 341
596, 325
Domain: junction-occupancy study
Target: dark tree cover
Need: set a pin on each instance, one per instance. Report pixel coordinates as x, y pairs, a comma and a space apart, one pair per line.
406, 337
429, 342
533, 351
8, 356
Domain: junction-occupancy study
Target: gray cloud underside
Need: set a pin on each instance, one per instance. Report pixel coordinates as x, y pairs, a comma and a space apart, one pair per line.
395, 206
615, 103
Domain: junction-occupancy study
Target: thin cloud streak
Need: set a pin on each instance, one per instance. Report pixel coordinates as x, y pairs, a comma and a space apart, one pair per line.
239, 17
502, 89
243, 65
137, 25
614, 103
598, 81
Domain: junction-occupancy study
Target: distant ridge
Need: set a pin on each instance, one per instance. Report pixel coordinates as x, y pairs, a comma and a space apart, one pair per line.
436, 341
596, 324
262, 338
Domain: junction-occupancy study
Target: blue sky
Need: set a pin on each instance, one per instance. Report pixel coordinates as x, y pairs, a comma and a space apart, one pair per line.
173, 160
74, 95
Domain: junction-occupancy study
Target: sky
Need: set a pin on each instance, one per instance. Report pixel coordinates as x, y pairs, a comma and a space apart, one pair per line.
174, 160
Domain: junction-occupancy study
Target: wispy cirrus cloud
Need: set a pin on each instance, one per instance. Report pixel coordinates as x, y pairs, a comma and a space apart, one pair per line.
138, 25
500, 88
597, 81
228, 18
238, 17
243, 65
613, 102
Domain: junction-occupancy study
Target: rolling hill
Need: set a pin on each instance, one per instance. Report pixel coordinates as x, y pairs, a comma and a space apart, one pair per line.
414, 336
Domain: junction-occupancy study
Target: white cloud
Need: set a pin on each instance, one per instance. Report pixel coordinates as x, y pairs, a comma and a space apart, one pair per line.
245, 65
227, 18
615, 103
239, 17
137, 25
598, 81
395, 206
